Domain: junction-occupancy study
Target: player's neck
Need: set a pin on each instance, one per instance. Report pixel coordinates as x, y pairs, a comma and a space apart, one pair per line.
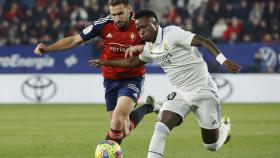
155, 37
124, 27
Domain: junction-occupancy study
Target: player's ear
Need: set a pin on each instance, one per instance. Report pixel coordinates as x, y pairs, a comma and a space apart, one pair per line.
129, 7
155, 23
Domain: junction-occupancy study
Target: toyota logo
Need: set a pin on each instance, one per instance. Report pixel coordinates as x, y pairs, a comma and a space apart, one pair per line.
224, 86
38, 88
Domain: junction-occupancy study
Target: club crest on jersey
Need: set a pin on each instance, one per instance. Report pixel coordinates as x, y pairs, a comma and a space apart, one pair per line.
165, 47
132, 36
88, 29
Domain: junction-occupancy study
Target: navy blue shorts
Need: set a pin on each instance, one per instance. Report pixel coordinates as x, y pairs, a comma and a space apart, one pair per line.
131, 87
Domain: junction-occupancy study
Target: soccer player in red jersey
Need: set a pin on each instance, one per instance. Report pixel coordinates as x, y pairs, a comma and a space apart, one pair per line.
122, 85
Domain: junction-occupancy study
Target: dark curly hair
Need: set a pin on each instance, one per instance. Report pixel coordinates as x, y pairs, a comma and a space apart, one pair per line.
146, 13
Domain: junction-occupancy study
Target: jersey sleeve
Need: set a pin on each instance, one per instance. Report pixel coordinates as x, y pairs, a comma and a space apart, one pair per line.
145, 55
180, 36
91, 31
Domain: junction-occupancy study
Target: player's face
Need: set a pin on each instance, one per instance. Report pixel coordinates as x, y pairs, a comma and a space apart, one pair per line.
147, 28
120, 13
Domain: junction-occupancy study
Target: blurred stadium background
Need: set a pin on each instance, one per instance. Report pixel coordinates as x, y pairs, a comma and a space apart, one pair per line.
34, 121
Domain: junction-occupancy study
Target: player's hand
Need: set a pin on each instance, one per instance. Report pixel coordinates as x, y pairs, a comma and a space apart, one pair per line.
95, 63
40, 49
231, 66
130, 52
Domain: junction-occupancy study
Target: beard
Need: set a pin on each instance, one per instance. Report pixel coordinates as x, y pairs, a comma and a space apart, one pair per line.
121, 25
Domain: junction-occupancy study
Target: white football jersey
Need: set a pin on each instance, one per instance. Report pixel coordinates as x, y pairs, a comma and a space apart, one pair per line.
182, 62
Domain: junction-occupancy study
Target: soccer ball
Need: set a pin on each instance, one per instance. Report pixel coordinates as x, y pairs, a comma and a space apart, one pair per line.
108, 149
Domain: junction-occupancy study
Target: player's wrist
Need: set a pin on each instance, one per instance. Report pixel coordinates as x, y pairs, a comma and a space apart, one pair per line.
220, 58
44, 52
140, 47
102, 63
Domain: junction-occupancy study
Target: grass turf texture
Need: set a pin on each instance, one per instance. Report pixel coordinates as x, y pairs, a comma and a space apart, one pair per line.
73, 131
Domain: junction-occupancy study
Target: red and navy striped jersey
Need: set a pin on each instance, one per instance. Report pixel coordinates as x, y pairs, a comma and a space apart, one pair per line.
115, 43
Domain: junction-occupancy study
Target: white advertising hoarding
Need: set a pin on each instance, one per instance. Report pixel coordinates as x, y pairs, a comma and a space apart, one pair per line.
88, 88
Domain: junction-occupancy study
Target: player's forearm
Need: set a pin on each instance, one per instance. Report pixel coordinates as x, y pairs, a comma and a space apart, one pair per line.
207, 44
63, 44
215, 51
117, 63
210, 47
139, 48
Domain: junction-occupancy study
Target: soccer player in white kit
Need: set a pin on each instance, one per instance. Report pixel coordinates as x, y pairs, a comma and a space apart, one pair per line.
193, 89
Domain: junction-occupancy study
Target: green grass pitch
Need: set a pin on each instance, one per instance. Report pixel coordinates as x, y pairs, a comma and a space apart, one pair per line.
73, 131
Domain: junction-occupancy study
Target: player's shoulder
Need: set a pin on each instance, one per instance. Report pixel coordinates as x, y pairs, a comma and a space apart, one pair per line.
172, 29
172, 32
96, 28
103, 21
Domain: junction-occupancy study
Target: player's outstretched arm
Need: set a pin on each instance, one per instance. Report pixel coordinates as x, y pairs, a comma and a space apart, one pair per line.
131, 51
63, 44
124, 63
215, 51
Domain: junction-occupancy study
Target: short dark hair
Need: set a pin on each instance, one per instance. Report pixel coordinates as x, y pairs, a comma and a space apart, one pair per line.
146, 13
117, 2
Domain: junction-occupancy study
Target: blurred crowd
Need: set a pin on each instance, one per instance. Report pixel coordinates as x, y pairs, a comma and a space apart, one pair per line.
224, 21
33, 21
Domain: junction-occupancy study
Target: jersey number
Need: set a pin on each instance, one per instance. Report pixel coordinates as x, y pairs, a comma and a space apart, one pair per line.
171, 96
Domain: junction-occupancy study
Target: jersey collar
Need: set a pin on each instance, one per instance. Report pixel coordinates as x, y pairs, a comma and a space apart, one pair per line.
159, 35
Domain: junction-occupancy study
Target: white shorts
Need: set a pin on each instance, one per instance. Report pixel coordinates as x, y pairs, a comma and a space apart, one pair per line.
205, 105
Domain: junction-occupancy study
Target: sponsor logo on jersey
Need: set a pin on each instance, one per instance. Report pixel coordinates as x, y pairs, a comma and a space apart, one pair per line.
109, 35
118, 48
164, 60
88, 29
135, 95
